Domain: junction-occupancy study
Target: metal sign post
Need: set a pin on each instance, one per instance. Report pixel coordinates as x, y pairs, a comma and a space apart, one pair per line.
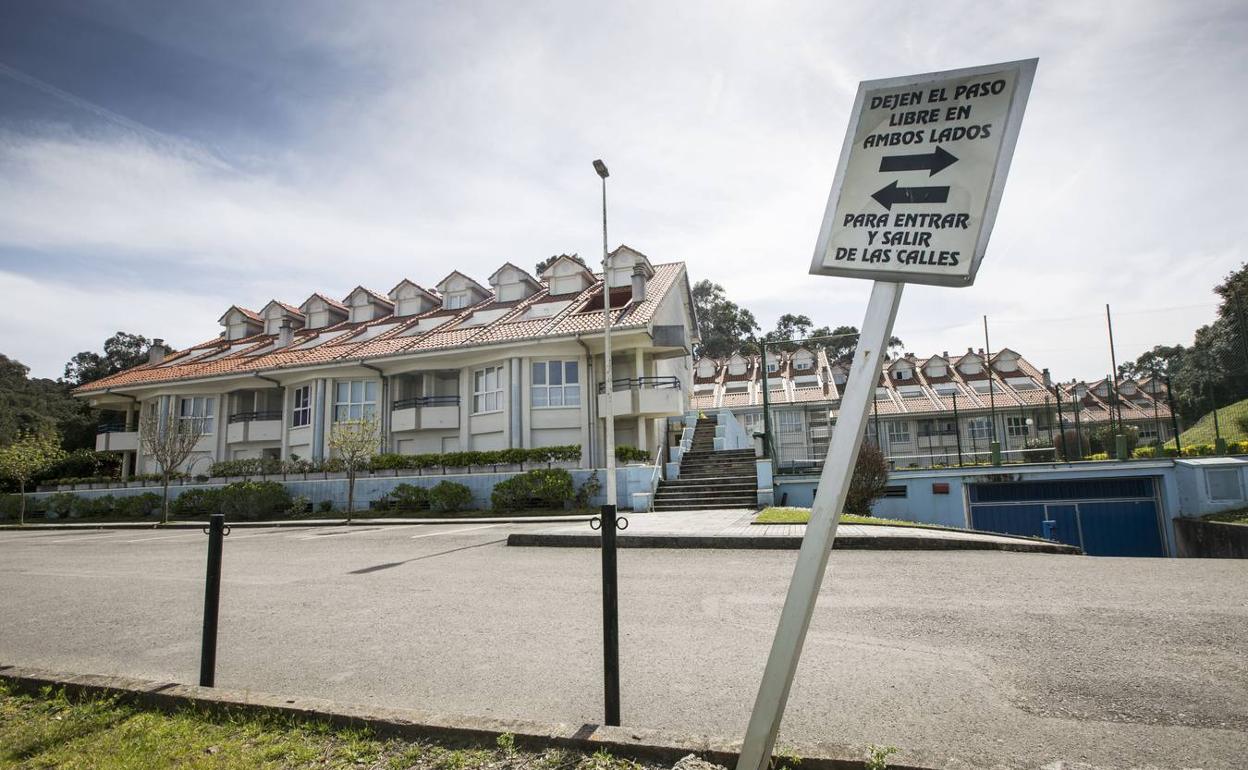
914, 198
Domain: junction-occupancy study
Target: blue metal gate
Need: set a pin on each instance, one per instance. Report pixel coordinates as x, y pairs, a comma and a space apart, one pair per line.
1105, 517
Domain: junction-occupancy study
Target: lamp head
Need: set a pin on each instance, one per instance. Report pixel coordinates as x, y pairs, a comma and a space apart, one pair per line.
601, 168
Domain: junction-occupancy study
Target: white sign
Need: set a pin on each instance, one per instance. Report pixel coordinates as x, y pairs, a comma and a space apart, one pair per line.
921, 173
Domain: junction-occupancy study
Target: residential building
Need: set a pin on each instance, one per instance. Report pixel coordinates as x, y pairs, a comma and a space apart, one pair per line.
456, 366
924, 412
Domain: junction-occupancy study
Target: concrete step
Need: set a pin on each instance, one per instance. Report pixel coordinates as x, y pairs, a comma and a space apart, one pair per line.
734, 482
701, 506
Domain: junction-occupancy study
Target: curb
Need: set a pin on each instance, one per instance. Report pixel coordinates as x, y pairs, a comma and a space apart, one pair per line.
295, 523
785, 543
634, 743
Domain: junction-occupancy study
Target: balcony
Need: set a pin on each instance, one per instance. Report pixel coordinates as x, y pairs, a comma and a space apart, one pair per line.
116, 438
425, 413
644, 397
254, 426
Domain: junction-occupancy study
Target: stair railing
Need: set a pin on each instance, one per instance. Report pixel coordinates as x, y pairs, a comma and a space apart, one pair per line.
656, 474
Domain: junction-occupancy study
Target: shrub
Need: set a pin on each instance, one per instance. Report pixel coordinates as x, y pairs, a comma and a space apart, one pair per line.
197, 502
1072, 444
867, 484
248, 467
9, 506
325, 506
82, 464
630, 454
299, 506
449, 496
409, 497
1103, 438
1037, 450
250, 500
541, 488
1098, 456
588, 491
137, 506
95, 507
61, 504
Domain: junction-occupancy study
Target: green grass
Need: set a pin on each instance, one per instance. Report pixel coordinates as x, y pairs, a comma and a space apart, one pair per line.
104, 734
1237, 516
1201, 432
793, 515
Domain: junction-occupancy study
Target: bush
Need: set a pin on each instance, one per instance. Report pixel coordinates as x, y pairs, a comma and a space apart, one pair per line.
867, 484
249, 467
630, 454
10, 507
1037, 450
449, 496
197, 502
588, 491
82, 464
1102, 438
250, 500
409, 497
61, 504
138, 506
541, 488
325, 506
299, 506
1072, 444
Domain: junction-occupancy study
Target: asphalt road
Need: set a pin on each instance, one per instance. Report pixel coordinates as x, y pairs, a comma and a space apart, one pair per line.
979, 657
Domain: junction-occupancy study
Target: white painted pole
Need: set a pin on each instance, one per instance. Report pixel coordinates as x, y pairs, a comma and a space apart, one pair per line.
825, 514
606, 353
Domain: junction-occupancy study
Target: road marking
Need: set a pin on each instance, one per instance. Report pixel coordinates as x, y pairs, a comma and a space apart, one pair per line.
164, 537
92, 536
456, 531
347, 531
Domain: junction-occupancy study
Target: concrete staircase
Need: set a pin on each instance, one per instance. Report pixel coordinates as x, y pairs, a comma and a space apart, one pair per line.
709, 479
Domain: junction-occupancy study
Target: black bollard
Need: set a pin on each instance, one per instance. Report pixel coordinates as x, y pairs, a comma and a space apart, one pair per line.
212, 601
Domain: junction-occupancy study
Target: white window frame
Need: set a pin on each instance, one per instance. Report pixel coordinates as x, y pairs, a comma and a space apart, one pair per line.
898, 431
487, 395
457, 300
802, 365
978, 428
360, 402
203, 408
1015, 426
788, 421
544, 393
301, 408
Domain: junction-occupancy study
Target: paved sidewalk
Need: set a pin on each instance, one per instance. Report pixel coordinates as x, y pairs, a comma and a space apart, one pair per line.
733, 529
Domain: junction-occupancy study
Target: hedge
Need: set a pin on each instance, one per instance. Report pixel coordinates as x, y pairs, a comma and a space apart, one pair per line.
449, 496
541, 488
392, 461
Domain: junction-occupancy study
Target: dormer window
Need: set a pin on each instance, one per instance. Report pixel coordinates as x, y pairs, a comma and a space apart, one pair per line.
321, 311
567, 275
459, 291
803, 364
736, 365
367, 305
902, 374
772, 367
239, 322
411, 299
510, 283
620, 265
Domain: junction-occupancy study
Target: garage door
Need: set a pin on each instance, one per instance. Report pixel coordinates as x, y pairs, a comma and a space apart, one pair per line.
1104, 517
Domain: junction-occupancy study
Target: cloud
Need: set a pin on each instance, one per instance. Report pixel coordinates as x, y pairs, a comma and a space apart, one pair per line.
462, 135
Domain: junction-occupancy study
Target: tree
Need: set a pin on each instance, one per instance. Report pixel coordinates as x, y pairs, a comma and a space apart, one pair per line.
723, 325
545, 263
169, 440
869, 480
354, 442
840, 349
121, 351
33, 404
26, 457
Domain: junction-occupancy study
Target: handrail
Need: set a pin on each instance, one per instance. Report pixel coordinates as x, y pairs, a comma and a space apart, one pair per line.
255, 416
113, 427
418, 401
656, 473
631, 383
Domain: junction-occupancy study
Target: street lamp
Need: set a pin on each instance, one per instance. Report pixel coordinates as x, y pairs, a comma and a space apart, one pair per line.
607, 521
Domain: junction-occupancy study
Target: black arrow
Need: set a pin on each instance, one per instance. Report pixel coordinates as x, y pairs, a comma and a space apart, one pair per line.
887, 196
936, 162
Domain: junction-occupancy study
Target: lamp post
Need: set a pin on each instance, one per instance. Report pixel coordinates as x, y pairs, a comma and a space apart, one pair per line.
607, 521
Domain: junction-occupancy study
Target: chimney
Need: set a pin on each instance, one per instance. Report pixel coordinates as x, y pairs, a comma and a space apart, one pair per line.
1048, 381
285, 334
944, 354
156, 353
639, 283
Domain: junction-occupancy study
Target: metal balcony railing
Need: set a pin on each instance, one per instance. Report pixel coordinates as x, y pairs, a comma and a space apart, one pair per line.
112, 427
255, 416
637, 383
419, 401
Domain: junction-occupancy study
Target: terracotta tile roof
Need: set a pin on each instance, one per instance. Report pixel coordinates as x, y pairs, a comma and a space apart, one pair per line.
255, 353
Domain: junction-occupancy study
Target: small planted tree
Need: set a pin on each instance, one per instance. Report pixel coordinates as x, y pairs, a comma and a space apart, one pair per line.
169, 442
354, 442
870, 478
31, 454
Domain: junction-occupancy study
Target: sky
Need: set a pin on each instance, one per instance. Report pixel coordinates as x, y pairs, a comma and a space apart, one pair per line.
161, 161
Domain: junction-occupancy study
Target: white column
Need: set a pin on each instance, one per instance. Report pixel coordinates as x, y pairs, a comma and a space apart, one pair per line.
465, 408
285, 450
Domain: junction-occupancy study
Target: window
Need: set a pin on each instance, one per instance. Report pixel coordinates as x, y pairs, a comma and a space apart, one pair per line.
457, 300
979, 428
355, 400
801, 364
772, 366
898, 432
901, 374
789, 422
556, 383
1016, 427
754, 423
202, 408
487, 390
983, 386
900, 490
947, 388
1224, 484
302, 414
